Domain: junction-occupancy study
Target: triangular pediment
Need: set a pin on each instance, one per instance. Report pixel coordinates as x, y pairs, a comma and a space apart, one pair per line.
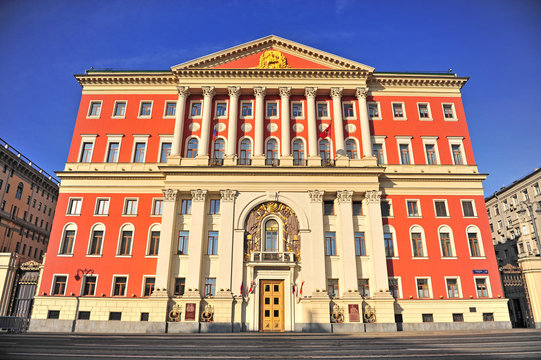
272, 52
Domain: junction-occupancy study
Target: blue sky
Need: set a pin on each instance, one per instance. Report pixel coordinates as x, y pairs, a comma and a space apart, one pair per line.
496, 43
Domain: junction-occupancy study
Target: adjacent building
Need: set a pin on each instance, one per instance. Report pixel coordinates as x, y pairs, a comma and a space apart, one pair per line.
514, 214
270, 187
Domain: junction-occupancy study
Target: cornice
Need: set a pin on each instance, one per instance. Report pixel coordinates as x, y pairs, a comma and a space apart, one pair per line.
116, 78
272, 73
416, 80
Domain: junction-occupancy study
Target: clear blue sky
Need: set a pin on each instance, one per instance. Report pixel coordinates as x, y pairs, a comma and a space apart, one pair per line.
496, 43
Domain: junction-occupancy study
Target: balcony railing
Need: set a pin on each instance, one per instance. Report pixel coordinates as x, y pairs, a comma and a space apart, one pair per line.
272, 162
244, 161
216, 162
327, 162
299, 162
272, 257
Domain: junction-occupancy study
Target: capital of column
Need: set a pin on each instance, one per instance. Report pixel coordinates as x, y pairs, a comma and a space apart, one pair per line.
361, 92
344, 197
336, 92
170, 194
316, 195
234, 91
208, 91
199, 195
183, 91
373, 196
310, 92
285, 91
228, 195
259, 91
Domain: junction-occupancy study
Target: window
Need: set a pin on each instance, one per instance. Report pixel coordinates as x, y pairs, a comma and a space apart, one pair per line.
537, 189
165, 152
53, 314
144, 316
96, 240
481, 286
154, 244
139, 155
95, 109
458, 317
360, 246
386, 208
212, 245
210, 287
445, 242
296, 109
83, 315
413, 208
86, 154
125, 243
468, 209
351, 149
431, 154
170, 108
66, 247
330, 243
180, 284
417, 242
89, 285
322, 110
19, 192
271, 153
448, 112
149, 286
473, 241
332, 288
404, 154
457, 150
59, 284
246, 109
389, 244
423, 289
146, 108
196, 109
357, 208
183, 237
424, 112
221, 109
102, 207
325, 151
186, 207
441, 208
112, 152
119, 285
398, 110
157, 207
328, 207
219, 151
452, 288
191, 151
120, 109
214, 206
130, 207
525, 195
245, 152
298, 153
364, 290
377, 151
428, 318
347, 108
272, 109
271, 235
373, 110
394, 287
115, 315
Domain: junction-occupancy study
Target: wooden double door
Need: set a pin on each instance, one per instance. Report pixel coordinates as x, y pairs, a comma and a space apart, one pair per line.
271, 310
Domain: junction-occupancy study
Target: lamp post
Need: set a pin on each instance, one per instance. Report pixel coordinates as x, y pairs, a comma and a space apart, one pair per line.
527, 204
77, 277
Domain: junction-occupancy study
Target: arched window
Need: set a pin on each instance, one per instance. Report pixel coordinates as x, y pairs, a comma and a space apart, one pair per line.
389, 239
351, 149
245, 152
271, 235
96, 239
191, 152
325, 151
417, 241
474, 241
298, 153
125, 240
19, 192
153, 240
446, 241
271, 155
219, 151
68, 240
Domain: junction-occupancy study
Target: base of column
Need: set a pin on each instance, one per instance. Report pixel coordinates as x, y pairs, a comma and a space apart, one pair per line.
230, 160
341, 161
370, 161
313, 161
286, 160
202, 160
173, 160
258, 160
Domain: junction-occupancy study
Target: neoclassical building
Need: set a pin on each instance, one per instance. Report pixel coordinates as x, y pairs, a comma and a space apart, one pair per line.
270, 187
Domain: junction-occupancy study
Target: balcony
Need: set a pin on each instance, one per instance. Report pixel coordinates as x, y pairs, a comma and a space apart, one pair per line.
276, 258
244, 161
327, 162
299, 162
272, 162
216, 162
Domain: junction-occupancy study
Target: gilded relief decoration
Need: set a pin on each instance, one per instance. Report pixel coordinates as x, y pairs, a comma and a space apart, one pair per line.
272, 59
290, 227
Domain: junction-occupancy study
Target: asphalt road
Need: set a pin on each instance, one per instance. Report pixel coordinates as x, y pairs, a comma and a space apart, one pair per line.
512, 344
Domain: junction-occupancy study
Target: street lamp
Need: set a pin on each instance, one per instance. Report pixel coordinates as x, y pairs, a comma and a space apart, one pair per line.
77, 277
527, 204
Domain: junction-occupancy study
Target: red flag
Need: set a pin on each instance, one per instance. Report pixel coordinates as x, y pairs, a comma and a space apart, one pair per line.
242, 288
251, 288
302, 284
214, 133
325, 133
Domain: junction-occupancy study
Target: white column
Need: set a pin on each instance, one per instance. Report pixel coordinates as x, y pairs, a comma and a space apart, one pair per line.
208, 94
285, 92
363, 119
183, 93
167, 239
336, 94
196, 240
310, 93
317, 238
347, 236
259, 92
237, 277
234, 92
225, 243
380, 280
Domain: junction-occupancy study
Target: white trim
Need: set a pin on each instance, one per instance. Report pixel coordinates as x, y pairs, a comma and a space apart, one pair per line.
83, 283
404, 140
390, 229
90, 103
280, 232
251, 102
328, 117
213, 142
186, 145
391, 212
458, 284
418, 209
277, 116
69, 206
303, 110
226, 114
354, 107
357, 145
368, 103
380, 140
190, 109
457, 140
96, 206
152, 228
430, 117
54, 281
473, 206
446, 209
139, 139
68, 226
125, 227
403, 118
164, 139
127, 276
431, 140
153, 206
430, 293
474, 228
447, 228
165, 116
139, 116
144, 282
86, 138
113, 116
100, 226
454, 118
418, 228
331, 147
487, 282
126, 203
113, 138
278, 150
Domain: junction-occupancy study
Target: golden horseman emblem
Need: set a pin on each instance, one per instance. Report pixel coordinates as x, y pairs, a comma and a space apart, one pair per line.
272, 59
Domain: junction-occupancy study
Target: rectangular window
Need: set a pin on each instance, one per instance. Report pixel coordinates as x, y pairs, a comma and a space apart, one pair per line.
417, 244
115, 315
221, 109
102, 207
86, 154
357, 208
83, 315
74, 207
389, 244
364, 290
165, 152
377, 151
488, 316
413, 208
154, 243
272, 109
170, 109
537, 189
394, 288
157, 207
373, 110
246, 109
144, 316
210, 287
398, 110
360, 246
296, 110
149, 286
322, 110
125, 242
120, 109
332, 288
348, 110
385, 208
130, 207
89, 285
525, 195
183, 237
212, 246
428, 318
59, 285
53, 314
457, 154
441, 208
452, 288
448, 111
95, 108
180, 284
95, 242
119, 286
423, 290
139, 155
458, 317
146, 108
186, 207
467, 208
404, 154
445, 240
328, 207
214, 207
112, 152
423, 111
330, 243
196, 109
481, 286
431, 154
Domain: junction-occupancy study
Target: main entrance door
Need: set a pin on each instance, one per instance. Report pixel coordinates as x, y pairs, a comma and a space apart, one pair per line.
271, 313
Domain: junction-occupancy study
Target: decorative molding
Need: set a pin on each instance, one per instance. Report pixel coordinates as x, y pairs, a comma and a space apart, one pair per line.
259, 91
199, 195
373, 196
208, 91
415, 80
31, 266
361, 92
336, 92
272, 59
234, 91
285, 91
310, 92
316, 195
228, 195
183, 91
344, 197
170, 194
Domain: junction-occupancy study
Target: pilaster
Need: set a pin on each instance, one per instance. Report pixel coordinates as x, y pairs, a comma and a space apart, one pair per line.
336, 94
167, 240
259, 92
225, 243
285, 92
195, 242
234, 92
183, 93
361, 93
310, 93
347, 236
208, 94
319, 278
